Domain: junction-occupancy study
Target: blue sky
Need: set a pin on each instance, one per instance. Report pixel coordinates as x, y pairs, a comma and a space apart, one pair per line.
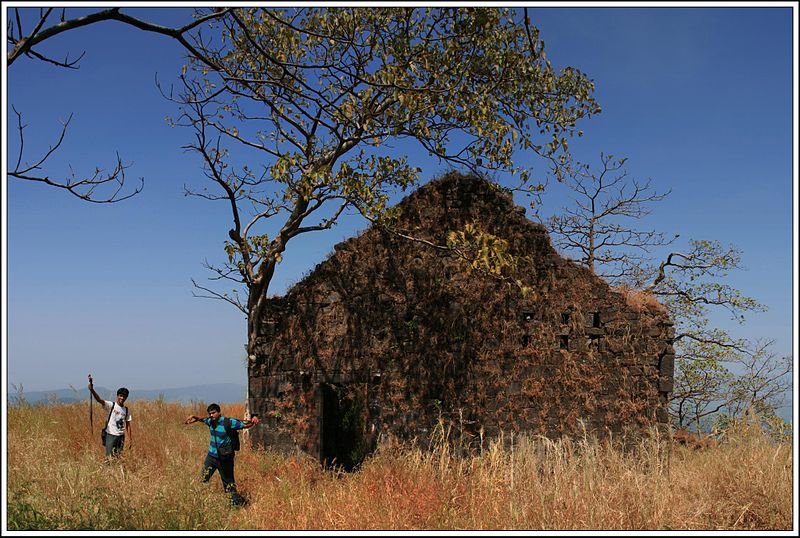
698, 99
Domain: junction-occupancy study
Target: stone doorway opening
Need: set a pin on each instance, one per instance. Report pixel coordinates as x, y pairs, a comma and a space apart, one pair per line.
343, 439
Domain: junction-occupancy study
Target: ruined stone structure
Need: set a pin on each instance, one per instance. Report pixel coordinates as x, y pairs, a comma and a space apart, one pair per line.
388, 338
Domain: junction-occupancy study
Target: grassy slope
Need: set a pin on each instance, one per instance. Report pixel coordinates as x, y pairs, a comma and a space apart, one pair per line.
57, 480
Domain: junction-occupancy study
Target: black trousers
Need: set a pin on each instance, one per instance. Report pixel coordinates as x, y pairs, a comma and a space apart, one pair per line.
225, 468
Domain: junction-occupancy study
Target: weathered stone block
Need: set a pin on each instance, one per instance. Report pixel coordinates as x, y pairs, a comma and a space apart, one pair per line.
665, 384
667, 365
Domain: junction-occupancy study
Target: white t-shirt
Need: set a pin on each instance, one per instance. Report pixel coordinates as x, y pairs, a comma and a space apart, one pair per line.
116, 422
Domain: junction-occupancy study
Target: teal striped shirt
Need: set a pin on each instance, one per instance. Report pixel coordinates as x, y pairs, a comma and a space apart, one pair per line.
219, 437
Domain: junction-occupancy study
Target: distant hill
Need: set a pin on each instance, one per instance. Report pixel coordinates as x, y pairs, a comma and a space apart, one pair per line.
217, 392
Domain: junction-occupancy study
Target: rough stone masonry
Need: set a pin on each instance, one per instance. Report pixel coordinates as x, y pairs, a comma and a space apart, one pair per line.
389, 339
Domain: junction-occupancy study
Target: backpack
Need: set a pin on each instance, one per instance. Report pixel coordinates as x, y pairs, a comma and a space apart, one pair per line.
233, 434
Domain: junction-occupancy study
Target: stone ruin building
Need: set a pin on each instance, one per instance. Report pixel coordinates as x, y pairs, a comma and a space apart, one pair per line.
388, 338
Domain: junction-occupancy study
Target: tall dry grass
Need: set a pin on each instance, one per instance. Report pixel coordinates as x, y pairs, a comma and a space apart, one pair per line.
57, 480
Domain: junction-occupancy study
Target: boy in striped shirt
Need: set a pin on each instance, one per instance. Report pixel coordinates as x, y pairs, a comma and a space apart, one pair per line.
220, 455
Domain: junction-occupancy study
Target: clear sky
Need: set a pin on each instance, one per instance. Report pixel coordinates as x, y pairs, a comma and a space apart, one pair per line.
698, 99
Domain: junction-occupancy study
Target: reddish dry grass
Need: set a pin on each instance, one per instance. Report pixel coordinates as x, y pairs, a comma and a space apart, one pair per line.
57, 481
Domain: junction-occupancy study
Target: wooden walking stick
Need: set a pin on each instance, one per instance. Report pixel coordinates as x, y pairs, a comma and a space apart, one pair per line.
91, 422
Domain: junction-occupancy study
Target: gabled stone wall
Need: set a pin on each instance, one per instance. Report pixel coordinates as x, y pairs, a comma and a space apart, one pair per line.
388, 338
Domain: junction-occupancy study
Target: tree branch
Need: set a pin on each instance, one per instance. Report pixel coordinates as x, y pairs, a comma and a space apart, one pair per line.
84, 188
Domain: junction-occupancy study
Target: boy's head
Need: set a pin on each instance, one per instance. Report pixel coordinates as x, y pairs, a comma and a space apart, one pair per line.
122, 395
213, 411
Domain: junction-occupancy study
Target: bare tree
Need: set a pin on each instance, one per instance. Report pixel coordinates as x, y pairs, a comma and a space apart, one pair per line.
715, 373
700, 391
101, 186
595, 227
749, 381
763, 383
86, 188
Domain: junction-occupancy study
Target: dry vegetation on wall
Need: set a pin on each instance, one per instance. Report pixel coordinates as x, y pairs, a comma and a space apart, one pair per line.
57, 481
457, 344
640, 300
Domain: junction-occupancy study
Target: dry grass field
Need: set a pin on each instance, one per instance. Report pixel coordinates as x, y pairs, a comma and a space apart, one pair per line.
57, 480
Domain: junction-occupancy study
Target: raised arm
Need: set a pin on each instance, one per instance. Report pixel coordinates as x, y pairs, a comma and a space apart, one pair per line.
96, 396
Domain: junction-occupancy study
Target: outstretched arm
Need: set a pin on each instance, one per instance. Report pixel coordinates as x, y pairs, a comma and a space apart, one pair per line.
254, 420
191, 419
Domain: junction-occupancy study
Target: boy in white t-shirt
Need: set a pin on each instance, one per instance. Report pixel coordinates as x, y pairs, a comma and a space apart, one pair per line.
118, 423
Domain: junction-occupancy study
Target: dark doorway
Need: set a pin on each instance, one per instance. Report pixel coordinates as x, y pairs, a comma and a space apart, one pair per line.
344, 422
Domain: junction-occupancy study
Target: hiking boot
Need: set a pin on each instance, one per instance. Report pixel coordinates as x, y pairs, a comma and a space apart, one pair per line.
238, 501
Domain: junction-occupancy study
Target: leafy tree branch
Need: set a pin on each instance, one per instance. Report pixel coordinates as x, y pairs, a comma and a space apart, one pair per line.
315, 95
